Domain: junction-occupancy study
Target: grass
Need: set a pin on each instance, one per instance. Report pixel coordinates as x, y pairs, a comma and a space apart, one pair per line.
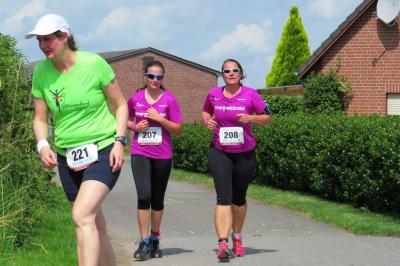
355, 220
52, 241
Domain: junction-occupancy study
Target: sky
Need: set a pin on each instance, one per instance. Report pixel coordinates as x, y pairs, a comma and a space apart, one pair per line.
202, 31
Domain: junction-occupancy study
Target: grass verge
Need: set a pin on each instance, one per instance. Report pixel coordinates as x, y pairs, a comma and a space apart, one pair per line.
52, 241
355, 220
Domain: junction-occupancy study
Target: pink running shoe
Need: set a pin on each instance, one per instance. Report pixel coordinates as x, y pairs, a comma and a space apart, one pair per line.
223, 252
238, 249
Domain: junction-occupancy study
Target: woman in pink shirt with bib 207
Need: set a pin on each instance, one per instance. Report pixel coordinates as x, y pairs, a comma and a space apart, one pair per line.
154, 115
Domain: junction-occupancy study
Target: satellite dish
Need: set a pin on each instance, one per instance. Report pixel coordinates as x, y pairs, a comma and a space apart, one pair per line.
387, 11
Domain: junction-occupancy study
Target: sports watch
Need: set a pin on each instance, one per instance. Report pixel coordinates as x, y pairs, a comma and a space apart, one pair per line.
122, 139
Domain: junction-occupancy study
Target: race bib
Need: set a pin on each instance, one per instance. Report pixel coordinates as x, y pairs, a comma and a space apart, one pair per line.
153, 136
231, 135
81, 157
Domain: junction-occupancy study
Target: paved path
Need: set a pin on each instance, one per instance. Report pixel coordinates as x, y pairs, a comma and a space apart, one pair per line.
272, 236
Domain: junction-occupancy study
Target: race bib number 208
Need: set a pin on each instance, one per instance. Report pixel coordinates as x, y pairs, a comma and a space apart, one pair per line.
231, 135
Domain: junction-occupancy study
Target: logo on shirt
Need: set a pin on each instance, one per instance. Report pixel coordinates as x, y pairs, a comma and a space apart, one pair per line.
139, 105
230, 108
57, 97
241, 99
162, 105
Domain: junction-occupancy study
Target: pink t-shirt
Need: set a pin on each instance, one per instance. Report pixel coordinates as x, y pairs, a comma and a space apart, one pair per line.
230, 135
156, 142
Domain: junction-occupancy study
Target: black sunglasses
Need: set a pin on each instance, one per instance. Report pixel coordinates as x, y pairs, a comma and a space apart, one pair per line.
228, 70
152, 76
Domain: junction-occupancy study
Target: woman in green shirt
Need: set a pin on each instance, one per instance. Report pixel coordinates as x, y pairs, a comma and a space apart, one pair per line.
89, 141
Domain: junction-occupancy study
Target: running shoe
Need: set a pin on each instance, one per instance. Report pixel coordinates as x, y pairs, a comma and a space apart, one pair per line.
223, 252
238, 249
155, 248
143, 251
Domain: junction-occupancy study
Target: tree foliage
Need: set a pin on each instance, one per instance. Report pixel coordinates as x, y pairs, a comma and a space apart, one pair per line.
326, 93
23, 183
292, 51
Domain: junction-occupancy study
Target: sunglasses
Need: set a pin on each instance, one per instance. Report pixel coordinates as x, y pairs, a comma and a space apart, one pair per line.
228, 70
154, 76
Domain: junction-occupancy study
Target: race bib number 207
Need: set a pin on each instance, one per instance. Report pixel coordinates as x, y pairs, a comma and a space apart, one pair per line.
153, 136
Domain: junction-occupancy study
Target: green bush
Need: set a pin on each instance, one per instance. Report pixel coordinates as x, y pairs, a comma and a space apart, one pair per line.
348, 159
326, 93
190, 148
284, 105
23, 183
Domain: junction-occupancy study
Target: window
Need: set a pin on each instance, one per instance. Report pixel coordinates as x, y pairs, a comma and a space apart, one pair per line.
393, 103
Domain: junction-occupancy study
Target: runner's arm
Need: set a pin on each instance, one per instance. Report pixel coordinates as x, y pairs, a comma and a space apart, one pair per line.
40, 119
114, 93
47, 156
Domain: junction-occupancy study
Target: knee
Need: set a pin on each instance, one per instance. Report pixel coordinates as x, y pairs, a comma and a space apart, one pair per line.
144, 201
239, 200
157, 205
83, 218
143, 204
224, 199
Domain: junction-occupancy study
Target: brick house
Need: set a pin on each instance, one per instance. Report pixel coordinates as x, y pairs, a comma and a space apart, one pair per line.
367, 52
189, 82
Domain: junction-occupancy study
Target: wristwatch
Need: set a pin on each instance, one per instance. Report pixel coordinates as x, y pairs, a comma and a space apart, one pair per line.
122, 139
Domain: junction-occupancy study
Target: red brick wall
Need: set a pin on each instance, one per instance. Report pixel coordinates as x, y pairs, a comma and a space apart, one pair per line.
369, 56
188, 84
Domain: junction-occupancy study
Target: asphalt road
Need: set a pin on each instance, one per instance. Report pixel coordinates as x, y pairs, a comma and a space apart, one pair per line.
271, 235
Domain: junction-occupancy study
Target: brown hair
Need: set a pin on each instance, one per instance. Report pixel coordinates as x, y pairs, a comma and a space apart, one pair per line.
71, 41
154, 63
146, 68
237, 63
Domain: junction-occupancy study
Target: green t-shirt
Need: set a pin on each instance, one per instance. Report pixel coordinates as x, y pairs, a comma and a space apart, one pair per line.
76, 99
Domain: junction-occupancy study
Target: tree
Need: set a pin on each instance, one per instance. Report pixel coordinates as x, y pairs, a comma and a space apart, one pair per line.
292, 51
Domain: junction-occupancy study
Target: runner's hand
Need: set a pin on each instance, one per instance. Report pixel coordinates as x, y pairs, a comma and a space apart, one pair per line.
142, 126
48, 158
211, 123
117, 157
154, 115
244, 118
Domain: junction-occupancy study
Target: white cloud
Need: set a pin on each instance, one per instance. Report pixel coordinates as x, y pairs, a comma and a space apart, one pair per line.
14, 24
328, 9
251, 38
136, 24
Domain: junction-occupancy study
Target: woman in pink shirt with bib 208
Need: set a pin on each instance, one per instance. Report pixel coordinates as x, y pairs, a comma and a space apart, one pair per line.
154, 115
230, 111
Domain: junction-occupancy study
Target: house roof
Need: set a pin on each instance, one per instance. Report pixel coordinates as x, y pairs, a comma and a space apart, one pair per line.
118, 55
343, 27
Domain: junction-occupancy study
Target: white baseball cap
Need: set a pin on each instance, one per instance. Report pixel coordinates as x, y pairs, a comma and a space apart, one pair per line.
49, 24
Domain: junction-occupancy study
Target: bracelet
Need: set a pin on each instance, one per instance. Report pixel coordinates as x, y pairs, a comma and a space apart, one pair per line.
205, 121
133, 127
42, 144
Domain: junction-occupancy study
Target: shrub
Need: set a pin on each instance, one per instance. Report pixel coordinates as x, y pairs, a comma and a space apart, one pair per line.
326, 93
190, 148
348, 159
23, 184
284, 105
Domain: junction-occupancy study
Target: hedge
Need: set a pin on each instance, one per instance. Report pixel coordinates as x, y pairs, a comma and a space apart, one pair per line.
348, 159
24, 185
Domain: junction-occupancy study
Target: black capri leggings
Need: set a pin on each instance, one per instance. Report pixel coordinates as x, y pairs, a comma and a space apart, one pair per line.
232, 173
151, 179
